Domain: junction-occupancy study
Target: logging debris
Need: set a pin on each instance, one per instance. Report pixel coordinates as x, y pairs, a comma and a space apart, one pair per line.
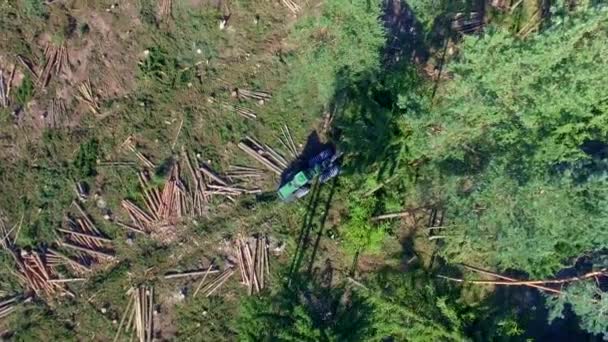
264, 154
242, 111
253, 261
244, 173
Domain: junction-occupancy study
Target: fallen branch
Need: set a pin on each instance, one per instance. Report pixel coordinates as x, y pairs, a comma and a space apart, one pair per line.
603, 272
189, 274
479, 270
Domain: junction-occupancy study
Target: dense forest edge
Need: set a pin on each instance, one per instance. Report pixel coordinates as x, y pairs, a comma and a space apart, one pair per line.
470, 206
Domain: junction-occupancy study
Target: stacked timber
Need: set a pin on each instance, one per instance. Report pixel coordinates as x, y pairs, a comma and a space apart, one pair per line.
254, 262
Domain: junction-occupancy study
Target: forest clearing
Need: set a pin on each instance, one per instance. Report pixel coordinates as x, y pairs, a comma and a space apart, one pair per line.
303, 170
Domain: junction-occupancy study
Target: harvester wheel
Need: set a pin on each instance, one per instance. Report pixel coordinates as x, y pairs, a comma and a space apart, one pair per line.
330, 173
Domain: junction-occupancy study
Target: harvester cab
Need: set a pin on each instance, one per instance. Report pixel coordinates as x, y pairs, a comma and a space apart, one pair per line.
297, 183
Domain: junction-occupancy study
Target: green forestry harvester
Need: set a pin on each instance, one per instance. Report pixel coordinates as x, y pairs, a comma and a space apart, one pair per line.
297, 184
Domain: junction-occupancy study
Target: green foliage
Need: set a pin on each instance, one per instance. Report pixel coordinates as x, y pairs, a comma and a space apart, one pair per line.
408, 307
359, 235
534, 227
86, 159
35, 8
305, 314
504, 101
206, 319
588, 302
39, 324
373, 129
337, 47
24, 93
505, 142
164, 69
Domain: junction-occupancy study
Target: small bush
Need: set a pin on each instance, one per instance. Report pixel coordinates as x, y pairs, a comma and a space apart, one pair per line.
84, 164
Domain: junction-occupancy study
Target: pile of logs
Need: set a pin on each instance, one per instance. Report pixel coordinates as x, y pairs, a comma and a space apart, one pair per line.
5, 87
34, 268
244, 94
38, 276
198, 187
268, 157
56, 60
140, 314
178, 199
86, 95
86, 240
254, 263
55, 114
129, 144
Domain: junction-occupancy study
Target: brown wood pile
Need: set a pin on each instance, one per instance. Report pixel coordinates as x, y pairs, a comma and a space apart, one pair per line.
88, 97
38, 276
56, 60
179, 198
56, 113
254, 262
5, 87
264, 154
138, 317
85, 241
34, 269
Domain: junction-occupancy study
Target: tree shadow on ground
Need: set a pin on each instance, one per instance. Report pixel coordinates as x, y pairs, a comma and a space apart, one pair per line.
405, 35
368, 123
527, 306
317, 204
